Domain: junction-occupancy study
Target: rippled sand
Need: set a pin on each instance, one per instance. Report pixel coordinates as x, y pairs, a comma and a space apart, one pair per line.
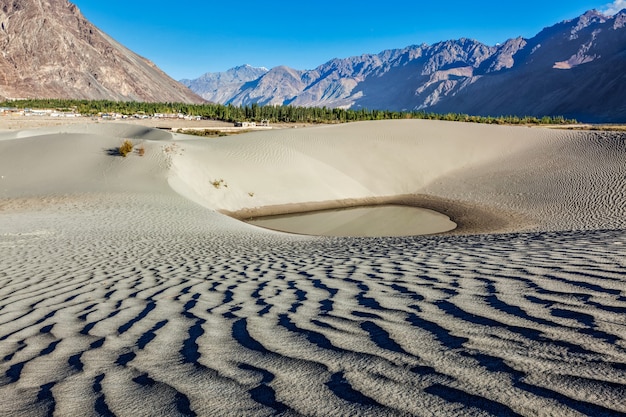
125, 291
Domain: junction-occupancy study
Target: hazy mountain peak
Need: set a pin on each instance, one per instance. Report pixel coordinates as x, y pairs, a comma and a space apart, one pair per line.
248, 67
219, 87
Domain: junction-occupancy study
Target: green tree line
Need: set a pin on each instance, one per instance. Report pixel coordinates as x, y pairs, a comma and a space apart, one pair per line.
275, 114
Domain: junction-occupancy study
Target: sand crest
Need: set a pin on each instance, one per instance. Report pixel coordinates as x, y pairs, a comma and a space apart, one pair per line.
125, 289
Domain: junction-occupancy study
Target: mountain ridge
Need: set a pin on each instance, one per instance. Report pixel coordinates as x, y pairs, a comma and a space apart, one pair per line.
575, 68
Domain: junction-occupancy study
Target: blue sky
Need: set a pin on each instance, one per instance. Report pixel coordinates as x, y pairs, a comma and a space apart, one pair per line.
189, 38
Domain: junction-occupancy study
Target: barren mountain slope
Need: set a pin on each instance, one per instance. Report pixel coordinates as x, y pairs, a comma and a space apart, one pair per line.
221, 86
50, 50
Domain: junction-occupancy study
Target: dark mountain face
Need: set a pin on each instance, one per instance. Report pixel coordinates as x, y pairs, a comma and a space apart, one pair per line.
575, 68
49, 50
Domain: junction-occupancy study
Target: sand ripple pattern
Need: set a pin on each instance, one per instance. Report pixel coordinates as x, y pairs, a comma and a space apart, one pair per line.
121, 297
191, 320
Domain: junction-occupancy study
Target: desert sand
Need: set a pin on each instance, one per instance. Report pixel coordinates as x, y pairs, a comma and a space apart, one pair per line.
129, 286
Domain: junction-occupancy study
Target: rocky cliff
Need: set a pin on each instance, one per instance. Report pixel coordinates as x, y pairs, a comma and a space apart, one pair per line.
49, 50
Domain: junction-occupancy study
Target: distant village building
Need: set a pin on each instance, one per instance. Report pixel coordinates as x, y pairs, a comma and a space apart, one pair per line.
9, 110
34, 112
169, 116
245, 124
65, 114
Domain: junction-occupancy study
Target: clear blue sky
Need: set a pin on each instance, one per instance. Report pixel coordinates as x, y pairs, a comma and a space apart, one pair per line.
189, 38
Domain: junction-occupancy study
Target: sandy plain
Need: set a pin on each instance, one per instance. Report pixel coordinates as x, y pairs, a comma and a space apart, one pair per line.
126, 290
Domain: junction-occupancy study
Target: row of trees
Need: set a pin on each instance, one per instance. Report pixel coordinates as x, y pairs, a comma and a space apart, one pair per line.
275, 114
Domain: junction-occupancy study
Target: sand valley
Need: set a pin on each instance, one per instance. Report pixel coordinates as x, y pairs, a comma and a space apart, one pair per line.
129, 286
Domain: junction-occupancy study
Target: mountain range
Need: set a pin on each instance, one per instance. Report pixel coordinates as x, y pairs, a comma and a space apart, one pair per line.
49, 50
576, 69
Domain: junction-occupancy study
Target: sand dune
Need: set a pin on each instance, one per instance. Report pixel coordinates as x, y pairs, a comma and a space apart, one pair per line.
125, 290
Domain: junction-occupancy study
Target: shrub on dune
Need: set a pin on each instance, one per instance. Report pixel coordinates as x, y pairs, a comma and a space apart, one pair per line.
126, 148
219, 183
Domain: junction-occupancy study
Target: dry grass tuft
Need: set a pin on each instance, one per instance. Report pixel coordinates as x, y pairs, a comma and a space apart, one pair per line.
219, 183
126, 148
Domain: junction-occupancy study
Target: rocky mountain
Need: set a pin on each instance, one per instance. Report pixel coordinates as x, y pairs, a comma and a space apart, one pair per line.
219, 87
576, 68
49, 50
